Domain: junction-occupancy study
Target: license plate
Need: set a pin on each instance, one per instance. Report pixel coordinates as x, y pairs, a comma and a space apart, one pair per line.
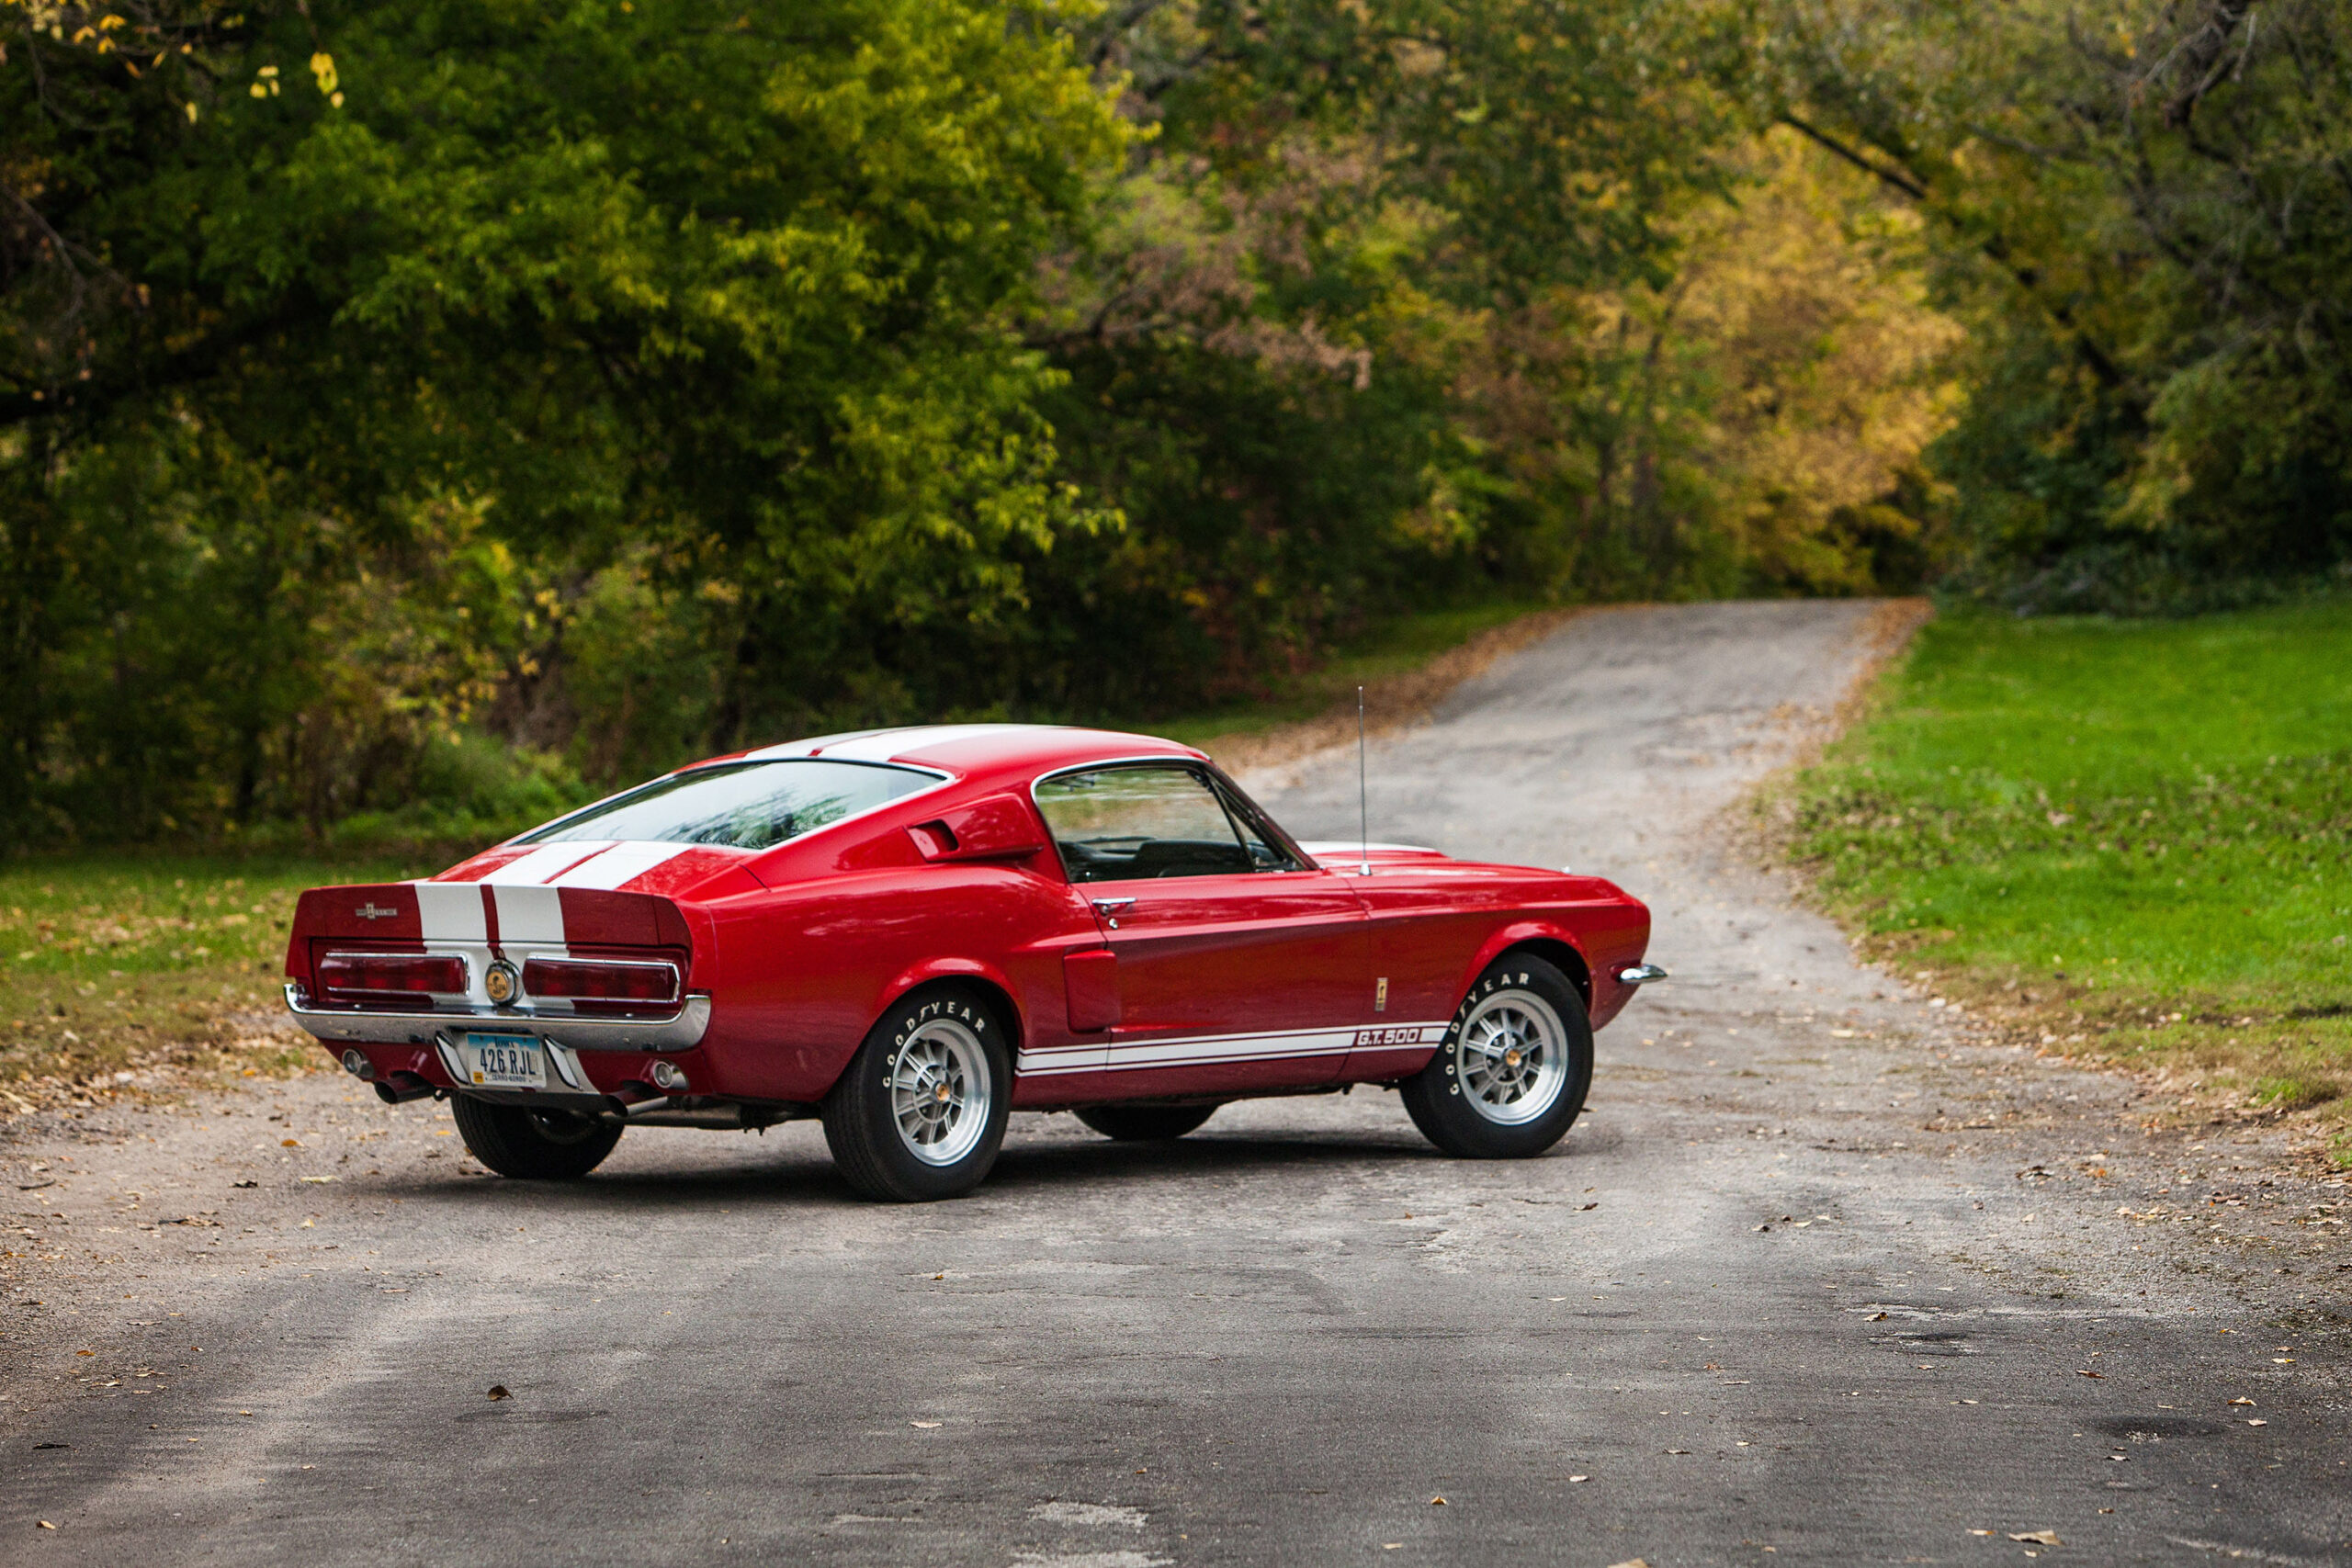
505, 1061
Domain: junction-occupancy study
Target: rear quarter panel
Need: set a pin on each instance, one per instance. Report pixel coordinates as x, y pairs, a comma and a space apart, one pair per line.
799, 972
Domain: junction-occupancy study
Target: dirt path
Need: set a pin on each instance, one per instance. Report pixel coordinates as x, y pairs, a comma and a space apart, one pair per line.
1820, 1273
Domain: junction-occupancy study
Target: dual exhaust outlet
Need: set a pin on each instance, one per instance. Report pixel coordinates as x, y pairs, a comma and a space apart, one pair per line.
632, 1099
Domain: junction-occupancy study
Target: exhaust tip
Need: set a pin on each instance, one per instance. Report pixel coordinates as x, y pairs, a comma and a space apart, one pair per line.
399, 1089
356, 1064
667, 1078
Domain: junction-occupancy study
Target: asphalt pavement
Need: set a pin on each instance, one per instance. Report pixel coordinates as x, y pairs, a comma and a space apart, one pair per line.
1823, 1275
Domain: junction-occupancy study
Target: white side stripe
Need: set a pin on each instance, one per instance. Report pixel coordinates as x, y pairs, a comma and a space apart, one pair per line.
1199, 1051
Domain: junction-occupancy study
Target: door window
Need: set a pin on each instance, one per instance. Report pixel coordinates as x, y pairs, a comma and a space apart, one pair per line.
1120, 824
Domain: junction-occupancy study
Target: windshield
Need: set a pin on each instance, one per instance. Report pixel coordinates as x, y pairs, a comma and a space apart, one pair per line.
743, 805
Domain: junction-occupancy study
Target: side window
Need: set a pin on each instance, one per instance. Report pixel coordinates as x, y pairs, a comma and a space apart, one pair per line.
1114, 824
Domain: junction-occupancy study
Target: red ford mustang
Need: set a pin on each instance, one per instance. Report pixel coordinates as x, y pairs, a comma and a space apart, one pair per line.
913, 932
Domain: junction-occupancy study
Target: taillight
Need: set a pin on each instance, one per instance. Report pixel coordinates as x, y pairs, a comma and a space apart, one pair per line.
601, 980
389, 976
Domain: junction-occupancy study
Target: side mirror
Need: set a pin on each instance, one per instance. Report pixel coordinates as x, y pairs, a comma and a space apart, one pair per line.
1001, 826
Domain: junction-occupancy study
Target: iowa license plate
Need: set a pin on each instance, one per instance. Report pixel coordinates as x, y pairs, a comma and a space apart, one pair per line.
505, 1061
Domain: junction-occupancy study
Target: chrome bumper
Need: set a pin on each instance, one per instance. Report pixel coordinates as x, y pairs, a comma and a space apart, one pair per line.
679, 1032
1640, 974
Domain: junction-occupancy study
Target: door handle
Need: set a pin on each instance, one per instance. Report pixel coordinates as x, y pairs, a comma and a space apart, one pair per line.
1109, 909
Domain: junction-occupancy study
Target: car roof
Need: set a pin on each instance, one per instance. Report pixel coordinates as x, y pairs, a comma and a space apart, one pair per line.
970, 750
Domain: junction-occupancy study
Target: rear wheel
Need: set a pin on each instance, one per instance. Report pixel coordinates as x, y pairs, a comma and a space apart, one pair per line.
533, 1145
1517, 1062
921, 1112
1144, 1123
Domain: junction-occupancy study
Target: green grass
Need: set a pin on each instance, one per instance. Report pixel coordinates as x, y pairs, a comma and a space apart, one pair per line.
1391, 649
112, 962
2120, 820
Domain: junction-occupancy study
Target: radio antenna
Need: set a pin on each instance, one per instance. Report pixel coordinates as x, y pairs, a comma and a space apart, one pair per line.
1363, 809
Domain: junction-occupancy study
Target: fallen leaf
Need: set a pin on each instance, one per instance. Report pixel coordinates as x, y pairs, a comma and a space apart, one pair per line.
1678, 1451
306, 1224
47, 1526
2087, 1373
498, 1390
1594, 1205
52, 1445
1763, 1227
2257, 1421
1577, 1478
34, 1186
1629, 1563
314, 1179
2241, 1400
1980, 1532
926, 1426
244, 1184
2039, 1538
86, 1352
290, 1143
1875, 1317
1437, 1502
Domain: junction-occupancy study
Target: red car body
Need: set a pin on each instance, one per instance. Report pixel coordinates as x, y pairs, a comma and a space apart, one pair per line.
1346, 969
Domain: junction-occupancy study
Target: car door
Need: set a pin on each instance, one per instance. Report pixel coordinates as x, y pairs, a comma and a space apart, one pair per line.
1239, 967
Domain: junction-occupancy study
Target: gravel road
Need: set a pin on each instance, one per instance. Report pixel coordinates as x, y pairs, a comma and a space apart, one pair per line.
1821, 1276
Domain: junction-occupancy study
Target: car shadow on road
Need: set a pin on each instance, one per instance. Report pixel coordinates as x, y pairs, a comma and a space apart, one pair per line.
802, 1179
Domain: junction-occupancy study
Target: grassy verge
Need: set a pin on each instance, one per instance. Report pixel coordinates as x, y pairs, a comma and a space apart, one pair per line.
2132, 839
126, 965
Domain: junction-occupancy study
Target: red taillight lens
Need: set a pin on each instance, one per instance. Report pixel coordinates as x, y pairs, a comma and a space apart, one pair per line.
379, 976
589, 980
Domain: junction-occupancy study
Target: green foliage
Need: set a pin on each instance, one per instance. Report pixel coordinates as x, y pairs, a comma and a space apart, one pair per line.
2147, 221
2141, 821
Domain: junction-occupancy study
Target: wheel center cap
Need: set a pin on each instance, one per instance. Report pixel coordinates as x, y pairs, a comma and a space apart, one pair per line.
1511, 1057
940, 1094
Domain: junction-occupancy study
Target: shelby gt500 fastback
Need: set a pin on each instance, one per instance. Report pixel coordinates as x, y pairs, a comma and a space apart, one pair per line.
914, 932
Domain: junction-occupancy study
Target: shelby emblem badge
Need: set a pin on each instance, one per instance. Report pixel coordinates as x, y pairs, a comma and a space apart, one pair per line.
501, 984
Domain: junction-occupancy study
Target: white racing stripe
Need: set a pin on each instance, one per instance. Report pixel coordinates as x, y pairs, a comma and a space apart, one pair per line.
452, 911
546, 863
881, 745
530, 917
621, 863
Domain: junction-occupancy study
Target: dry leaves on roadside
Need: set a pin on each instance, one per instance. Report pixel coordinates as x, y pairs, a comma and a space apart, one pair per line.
498, 1390
2038, 1538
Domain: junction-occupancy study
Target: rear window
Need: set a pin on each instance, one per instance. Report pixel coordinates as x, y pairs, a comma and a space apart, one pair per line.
742, 806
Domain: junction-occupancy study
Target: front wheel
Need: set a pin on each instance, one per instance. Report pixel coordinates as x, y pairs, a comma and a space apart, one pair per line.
921, 1112
532, 1146
1144, 1123
1517, 1062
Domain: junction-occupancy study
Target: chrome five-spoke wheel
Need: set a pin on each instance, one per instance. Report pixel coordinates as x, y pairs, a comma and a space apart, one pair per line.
940, 1091
1512, 1061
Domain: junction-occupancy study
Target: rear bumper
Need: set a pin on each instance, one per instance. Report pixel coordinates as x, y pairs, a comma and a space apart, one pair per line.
681, 1030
